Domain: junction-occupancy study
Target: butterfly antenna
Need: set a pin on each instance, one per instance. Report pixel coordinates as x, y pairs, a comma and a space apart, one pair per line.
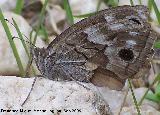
29, 40
23, 40
21, 33
26, 37
9, 22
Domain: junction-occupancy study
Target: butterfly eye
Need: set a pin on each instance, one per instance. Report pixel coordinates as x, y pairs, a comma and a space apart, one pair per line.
135, 20
126, 54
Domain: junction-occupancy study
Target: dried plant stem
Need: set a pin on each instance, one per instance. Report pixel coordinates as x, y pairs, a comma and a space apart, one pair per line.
134, 98
124, 100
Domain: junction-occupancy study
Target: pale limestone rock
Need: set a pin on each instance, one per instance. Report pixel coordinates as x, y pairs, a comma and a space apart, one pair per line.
8, 62
139, 92
154, 71
135, 2
55, 15
155, 27
55, 95
80, 7
53, 2
115, 99
7, 5
83, 7
50, 95
112, 97
144, 110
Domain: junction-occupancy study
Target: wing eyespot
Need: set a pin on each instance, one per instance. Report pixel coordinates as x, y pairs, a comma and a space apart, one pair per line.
126, 54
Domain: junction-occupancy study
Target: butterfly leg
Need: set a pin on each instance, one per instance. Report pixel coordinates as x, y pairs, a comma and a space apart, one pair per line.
34, 81
29, 65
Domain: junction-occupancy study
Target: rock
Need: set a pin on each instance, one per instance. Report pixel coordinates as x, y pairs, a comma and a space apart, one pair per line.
31, 11
50, 95
56, 25
80, 7
135, 2
156, 28
52, 24
56, 2
8, 62
112, 97
139, 92
154, 71
115, 99
66, 96
7, 5
145, 110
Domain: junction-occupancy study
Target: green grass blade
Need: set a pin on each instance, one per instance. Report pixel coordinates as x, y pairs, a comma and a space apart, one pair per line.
157, 44
112, 3
131, 2
134, 98
140, 2
23, 43
19, 6
156, 10
12, 44
84, 15
68, 12
44, 33
150, 5
41, 20
157, 89
98, 5
152, 97
21, 37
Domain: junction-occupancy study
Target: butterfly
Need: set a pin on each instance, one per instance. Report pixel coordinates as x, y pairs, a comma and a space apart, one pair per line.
105, 49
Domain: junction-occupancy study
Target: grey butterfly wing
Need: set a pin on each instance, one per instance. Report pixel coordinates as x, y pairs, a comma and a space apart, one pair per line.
106, 48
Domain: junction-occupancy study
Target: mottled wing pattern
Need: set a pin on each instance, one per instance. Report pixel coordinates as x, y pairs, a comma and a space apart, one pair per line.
104, 49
